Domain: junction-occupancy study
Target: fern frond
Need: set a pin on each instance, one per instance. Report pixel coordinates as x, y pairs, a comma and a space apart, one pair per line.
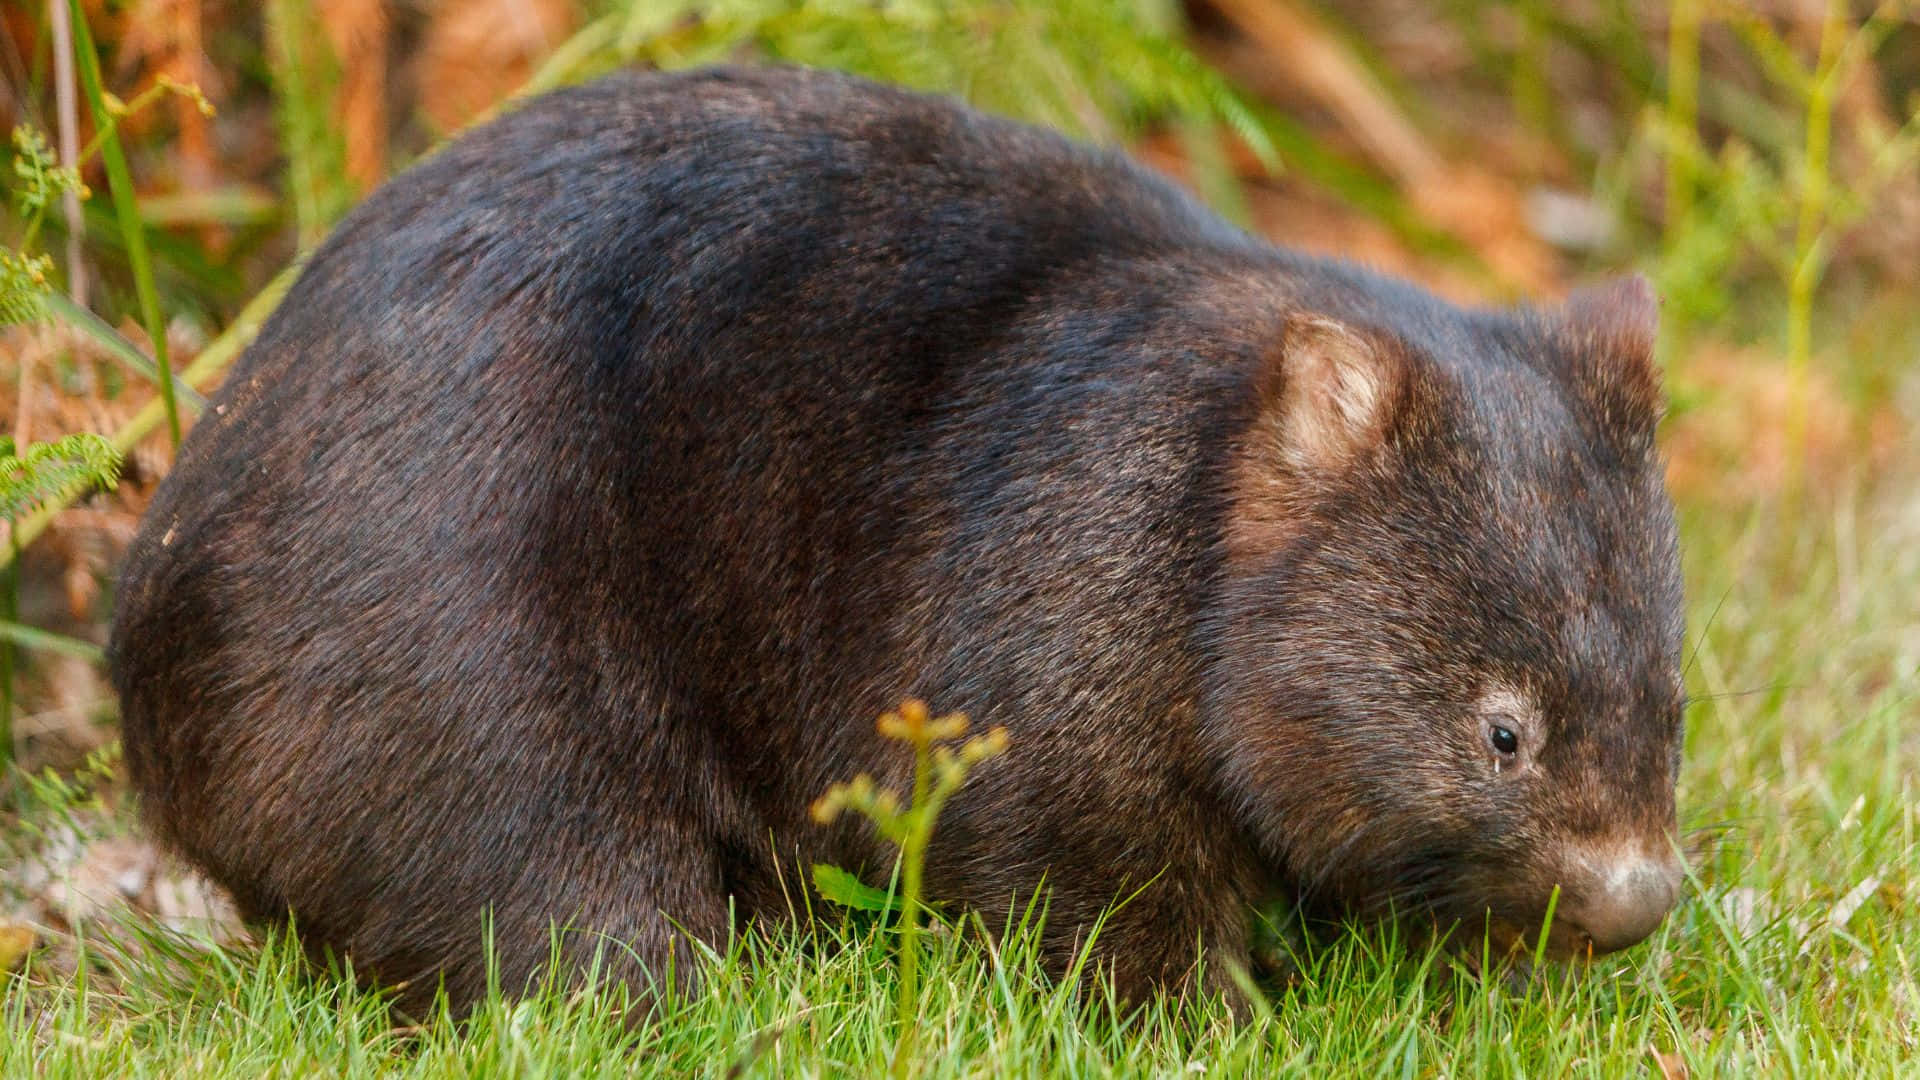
49, 470
41, 178
23, 287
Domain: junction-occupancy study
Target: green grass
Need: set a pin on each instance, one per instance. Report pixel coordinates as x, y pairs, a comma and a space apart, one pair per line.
1797, 952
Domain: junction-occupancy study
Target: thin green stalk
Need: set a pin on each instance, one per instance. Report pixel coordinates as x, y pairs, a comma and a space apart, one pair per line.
47, 641
1683, 109
913, 854
1532, 100
305, 74
1808, 249
120, 184
291, 88
938, 771
1683, 117
9, 609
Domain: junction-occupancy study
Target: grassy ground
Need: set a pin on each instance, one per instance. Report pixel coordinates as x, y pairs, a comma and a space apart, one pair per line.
1796, 953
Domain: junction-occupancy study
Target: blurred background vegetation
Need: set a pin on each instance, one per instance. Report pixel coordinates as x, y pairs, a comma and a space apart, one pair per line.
171, 159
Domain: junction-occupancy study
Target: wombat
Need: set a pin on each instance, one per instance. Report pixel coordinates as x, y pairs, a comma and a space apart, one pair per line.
605, 475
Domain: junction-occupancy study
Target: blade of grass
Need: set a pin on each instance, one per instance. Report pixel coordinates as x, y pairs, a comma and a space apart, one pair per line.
119, 347
120, 185
9, 605
47, 641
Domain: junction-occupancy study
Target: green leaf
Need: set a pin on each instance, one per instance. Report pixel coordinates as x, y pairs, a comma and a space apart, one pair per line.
843, 888
40, 176
116, 344
120, 186
45, 471
48, 641
23, 287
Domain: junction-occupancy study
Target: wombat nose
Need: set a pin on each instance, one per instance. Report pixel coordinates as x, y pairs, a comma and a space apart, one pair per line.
1625, 899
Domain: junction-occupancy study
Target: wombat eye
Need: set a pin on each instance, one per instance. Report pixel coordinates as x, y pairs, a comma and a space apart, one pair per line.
1505, 742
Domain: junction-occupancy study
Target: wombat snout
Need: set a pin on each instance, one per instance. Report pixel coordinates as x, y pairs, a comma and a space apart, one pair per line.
1623, 897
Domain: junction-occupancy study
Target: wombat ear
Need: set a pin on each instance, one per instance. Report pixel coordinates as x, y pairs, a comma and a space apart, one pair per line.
1327, 394
1610, 330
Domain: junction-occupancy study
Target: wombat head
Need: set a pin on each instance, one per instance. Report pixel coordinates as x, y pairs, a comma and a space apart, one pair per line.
1449, 676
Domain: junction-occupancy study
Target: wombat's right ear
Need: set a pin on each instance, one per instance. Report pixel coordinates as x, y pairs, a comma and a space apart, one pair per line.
1326, 395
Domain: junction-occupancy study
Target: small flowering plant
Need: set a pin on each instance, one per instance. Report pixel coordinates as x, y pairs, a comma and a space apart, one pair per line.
941, 762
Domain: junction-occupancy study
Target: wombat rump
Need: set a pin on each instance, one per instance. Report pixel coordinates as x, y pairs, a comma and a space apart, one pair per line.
604, 476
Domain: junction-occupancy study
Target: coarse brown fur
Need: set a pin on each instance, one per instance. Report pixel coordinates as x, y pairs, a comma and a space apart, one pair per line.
604, 476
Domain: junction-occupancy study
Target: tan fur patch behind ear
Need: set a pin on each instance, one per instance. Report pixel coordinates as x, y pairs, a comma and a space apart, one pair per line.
1326, 394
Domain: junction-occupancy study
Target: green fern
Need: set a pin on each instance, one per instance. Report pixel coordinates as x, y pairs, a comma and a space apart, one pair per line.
49, 470
41, 179
23, 287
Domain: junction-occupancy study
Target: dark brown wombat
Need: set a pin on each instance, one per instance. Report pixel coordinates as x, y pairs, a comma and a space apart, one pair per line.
604, 476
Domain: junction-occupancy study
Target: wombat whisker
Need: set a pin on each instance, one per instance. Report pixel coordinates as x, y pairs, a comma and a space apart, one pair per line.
1700, 639
1701, 699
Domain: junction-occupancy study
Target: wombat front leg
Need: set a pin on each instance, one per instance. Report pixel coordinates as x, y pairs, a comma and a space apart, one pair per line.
654, 930
1164, 939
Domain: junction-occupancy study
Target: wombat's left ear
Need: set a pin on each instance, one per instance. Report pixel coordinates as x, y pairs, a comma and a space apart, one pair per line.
1609, 332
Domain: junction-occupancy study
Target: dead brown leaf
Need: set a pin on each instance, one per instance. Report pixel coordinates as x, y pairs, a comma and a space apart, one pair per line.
1670, 1065
477, 52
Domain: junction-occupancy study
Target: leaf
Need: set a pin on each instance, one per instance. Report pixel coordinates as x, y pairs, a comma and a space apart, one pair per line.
47, 641
47, 470
41, 178
116, 345
1671, 1066
841, 887
23, 287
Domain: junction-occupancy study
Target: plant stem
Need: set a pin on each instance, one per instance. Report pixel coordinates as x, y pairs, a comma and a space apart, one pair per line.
1532, 98
68, 114
9, 609
913, 853
1683, 116
1808, 251
120, 183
